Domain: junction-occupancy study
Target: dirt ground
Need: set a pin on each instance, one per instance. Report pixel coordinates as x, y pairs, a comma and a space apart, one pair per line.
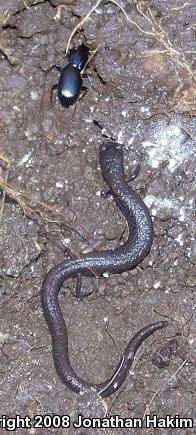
141, 91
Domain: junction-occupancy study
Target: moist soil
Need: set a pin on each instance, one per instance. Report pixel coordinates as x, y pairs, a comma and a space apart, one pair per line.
141, 90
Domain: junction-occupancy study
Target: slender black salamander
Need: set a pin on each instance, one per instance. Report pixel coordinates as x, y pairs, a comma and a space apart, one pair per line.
120, 259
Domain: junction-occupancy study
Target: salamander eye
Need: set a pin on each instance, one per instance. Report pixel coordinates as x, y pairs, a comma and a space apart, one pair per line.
118, 146
103, 147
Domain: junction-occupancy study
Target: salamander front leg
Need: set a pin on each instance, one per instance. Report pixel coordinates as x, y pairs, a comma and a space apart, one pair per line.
106, 192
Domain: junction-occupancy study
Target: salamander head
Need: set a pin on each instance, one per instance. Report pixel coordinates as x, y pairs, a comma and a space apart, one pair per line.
111, 147
111, 150
111, 160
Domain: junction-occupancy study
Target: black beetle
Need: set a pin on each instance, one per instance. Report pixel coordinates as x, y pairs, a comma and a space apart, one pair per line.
70, 83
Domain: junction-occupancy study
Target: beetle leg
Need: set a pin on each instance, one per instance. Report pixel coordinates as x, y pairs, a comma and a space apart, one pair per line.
51, 92
57, 67
84, 88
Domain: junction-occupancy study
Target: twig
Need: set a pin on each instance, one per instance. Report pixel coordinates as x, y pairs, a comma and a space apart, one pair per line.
160, 34
131, 21
19, 198
147, 410
8, 164
180, 7
89, 59
80, 24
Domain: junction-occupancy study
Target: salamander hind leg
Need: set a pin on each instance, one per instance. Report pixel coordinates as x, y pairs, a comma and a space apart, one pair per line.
80, 292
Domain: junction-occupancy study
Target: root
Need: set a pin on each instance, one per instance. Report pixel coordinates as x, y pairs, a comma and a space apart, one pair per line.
81, 23
24, 200
87, 16
178, 59
161, 36
161, 389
